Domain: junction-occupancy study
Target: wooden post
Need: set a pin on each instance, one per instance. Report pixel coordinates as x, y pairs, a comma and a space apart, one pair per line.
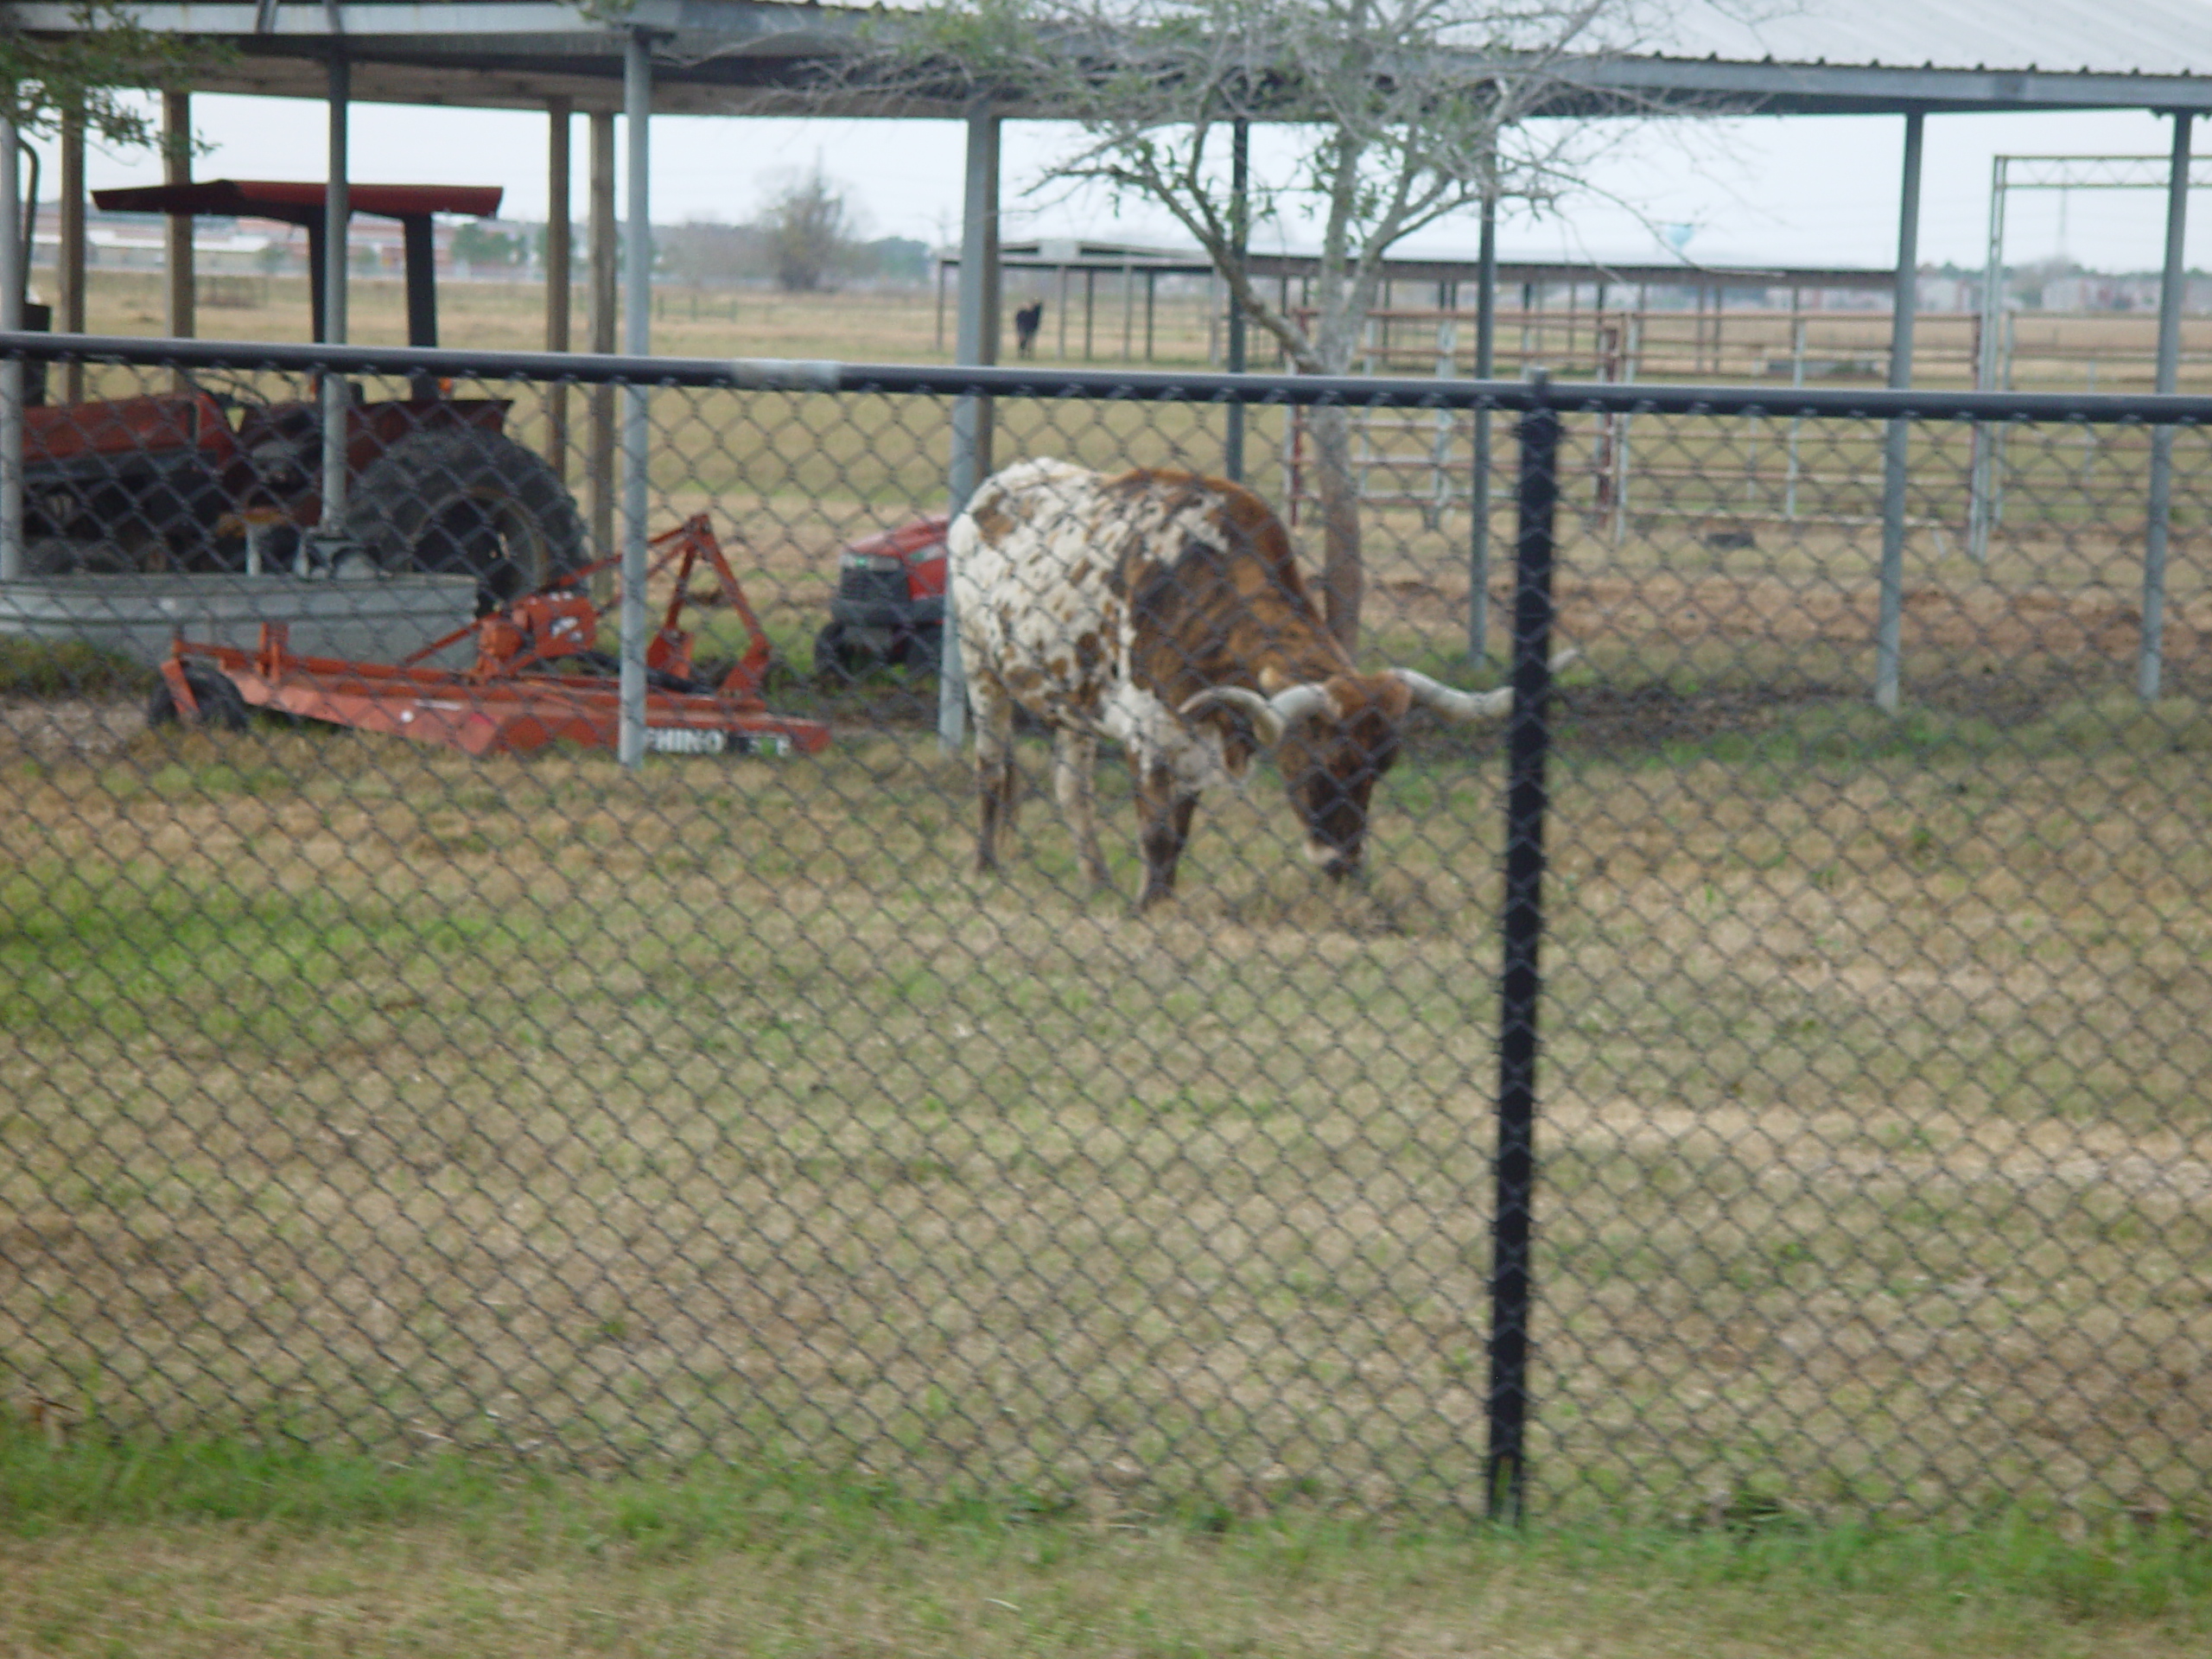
176, 168
69, 257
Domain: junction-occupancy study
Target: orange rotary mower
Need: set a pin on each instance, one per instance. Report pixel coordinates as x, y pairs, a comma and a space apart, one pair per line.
538, 678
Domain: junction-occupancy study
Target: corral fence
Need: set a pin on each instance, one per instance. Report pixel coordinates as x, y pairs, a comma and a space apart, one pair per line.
406, 1095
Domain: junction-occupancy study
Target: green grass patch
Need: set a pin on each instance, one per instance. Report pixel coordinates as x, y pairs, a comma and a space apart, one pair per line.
41, 668
991, 1571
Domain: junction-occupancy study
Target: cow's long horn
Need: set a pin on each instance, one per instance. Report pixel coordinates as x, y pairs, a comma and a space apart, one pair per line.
1457, 705
1271, 717
1452, 704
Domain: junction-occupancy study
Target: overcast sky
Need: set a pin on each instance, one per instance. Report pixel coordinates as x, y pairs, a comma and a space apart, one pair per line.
1804, 190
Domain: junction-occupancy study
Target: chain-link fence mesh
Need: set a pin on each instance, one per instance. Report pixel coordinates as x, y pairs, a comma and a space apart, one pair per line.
402, 1094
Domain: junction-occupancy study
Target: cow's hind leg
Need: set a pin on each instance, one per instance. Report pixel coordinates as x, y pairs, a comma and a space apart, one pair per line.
1075, 768
1164, 810
996, 779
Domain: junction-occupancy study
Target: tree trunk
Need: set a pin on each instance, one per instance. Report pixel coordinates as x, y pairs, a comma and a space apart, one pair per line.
1343, 576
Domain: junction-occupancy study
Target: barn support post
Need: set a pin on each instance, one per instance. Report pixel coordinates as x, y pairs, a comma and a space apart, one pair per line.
2151, 663
69, 284
14, 258
1240, 230
977, 344
1520, 987
1796, 422
559, 252
1981, 482
598, 462
337, 213
1485, 367
1888, 627
637, 331
176, 234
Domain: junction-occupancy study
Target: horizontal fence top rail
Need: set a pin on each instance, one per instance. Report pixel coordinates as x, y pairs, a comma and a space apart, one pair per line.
765, 374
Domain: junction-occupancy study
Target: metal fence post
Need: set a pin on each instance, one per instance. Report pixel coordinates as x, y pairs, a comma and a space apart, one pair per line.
1232, 454
1981, 482
14, 258
1888, 647
337, 391
1528, 741
637, 324
978, 343
2151, 660
1485, 366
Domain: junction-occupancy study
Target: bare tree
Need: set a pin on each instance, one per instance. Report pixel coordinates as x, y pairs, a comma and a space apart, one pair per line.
809, 232
89, 73
1403, 111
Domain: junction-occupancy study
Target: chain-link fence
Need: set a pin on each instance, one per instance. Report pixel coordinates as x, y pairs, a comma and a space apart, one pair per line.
384, 1064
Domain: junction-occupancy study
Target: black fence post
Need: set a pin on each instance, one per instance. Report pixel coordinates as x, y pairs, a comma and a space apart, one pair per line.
1528, 742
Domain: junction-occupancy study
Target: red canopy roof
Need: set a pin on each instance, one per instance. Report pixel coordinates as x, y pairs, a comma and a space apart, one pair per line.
299, 201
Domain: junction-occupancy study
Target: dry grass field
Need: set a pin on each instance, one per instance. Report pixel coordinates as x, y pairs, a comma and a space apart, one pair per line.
388, 1100
381, 1097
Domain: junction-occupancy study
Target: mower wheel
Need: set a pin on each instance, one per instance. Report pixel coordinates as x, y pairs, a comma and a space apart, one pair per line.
464, 501
221, 703
837, 660
921, 654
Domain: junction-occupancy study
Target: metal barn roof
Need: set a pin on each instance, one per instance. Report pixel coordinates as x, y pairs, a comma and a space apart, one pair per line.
734, 56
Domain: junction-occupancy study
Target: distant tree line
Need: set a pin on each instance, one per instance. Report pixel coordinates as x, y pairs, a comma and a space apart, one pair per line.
805, 239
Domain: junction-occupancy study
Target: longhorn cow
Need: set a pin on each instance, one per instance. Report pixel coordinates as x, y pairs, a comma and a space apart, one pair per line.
1164, 609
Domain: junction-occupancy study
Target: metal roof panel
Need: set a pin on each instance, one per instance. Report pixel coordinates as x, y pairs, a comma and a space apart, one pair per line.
2149, 37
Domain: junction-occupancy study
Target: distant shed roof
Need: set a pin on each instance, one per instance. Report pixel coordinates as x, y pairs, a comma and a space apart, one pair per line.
734, 57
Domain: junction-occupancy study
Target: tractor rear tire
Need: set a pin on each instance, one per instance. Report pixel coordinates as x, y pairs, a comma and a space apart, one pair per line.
464, 501
221, 703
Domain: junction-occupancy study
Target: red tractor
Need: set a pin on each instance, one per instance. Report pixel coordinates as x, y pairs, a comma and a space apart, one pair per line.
890, 603
216, 476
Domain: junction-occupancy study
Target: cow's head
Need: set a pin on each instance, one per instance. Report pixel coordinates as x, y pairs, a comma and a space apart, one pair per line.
1335, 737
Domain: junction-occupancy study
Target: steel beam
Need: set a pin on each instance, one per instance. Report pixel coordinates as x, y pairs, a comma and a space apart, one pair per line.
1240, 231
1889, 628
14, 258
337, 210
1485, 366
976, 342
2151, 658
637, 342
559, 254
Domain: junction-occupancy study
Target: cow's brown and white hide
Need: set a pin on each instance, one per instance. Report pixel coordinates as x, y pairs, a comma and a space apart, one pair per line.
1164, 610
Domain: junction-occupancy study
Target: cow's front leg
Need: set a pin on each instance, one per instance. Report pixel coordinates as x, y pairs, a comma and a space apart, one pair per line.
1164, 810
1075, 769
993, 711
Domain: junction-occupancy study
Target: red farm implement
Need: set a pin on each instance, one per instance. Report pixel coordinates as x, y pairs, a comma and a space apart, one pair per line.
538, 678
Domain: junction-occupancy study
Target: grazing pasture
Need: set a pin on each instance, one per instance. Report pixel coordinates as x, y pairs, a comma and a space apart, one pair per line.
397, 1102
388, 1098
